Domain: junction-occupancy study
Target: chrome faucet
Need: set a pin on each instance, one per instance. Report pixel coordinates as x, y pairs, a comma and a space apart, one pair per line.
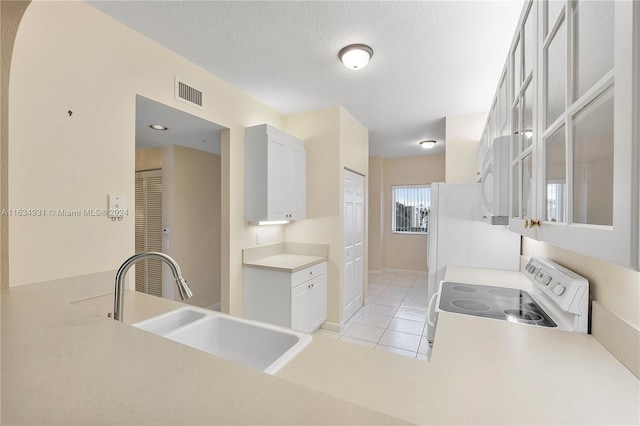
118, 302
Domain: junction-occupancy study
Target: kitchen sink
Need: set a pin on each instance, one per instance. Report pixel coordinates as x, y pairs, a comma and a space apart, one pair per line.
251, 343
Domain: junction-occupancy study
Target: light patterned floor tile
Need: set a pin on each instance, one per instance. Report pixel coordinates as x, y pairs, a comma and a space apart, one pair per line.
398, 293
374, 320
406, 277
374, 308
382, 300
414, 306
397, 339
411, 314
406, 326
364, 332
396, 283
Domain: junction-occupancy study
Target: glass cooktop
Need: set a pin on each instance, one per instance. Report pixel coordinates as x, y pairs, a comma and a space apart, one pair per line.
493, 302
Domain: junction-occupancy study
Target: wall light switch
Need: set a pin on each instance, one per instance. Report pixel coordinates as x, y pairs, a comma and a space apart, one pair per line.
117, 206
258, 238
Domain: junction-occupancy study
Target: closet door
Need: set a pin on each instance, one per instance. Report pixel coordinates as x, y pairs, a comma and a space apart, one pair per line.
149, 230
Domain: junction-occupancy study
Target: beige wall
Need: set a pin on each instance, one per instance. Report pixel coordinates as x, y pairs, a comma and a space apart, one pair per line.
463, 134
398, 251
376, 213
195, 234
95, 67
333, 140
11, 13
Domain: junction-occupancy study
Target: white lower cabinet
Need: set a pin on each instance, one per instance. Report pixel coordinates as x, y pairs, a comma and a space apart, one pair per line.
297, 300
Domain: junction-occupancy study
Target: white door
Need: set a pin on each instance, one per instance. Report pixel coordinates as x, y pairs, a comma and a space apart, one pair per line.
353, 283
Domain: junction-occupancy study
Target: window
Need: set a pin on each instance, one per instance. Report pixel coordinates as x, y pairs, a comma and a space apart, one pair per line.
411, 206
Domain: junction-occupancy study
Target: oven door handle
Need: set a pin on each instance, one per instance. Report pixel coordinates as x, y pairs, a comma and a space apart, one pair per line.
431, 310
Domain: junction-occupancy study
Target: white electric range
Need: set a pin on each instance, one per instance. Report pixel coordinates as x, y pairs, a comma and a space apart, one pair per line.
558, 298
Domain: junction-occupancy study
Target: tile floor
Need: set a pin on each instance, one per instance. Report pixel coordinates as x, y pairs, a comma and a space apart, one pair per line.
394, 318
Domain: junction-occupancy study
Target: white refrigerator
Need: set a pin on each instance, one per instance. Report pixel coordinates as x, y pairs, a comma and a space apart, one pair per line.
458, 236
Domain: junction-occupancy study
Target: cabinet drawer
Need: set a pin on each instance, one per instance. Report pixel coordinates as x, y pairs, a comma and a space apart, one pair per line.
307, 274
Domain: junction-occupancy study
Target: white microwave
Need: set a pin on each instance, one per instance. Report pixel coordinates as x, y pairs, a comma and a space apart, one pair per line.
495, 182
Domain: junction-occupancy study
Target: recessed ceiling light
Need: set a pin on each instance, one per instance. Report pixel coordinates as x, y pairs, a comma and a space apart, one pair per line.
200, 140
158, 127
428, 144
355, 56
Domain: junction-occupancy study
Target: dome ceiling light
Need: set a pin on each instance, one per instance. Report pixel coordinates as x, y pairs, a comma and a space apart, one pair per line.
355, 56
158, 127
428, 144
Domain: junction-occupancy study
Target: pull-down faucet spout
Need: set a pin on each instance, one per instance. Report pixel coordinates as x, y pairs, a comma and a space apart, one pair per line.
118, 302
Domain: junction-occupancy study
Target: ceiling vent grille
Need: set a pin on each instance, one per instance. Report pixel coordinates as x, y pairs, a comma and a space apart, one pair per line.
188, 94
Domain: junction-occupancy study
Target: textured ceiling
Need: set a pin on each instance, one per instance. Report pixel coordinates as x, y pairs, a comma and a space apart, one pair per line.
431, 59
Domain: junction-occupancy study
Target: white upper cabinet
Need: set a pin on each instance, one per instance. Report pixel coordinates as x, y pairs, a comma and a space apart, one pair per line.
521, 113
275, 175
571, 103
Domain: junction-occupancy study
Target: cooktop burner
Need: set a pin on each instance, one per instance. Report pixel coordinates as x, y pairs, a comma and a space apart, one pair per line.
493, 302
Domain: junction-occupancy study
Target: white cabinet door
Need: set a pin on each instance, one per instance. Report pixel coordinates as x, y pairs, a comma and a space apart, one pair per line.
297, 183
278, 179
309, 305
301, 301
586, 178
297, 300
275, 175
318, 311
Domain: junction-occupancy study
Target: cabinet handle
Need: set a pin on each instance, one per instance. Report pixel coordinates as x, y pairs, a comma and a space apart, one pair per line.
535, 223
526, 223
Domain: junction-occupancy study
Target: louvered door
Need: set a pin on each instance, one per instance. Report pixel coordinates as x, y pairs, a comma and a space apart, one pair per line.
149, 230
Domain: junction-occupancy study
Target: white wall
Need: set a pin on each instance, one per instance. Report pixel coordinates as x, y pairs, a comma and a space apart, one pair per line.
463, 133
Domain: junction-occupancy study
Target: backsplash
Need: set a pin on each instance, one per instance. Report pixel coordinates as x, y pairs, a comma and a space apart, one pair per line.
615, 291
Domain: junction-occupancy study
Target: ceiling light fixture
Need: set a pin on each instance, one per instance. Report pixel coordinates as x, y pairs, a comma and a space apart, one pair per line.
158, 127
355, 56
200, 140
428, 144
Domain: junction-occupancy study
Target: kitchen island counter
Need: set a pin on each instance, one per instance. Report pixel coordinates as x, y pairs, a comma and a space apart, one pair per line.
70, 364
482, 371
66, 363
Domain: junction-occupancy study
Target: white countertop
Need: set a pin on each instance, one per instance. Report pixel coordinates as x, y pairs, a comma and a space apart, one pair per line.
69, 364
286, 262
66, 363
482, 371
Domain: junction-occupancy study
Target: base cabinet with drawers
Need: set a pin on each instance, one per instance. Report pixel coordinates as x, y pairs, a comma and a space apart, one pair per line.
296, 300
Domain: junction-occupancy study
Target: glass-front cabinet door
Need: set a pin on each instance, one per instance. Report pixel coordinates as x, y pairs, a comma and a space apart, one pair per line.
523, 130
584, 181
568, 97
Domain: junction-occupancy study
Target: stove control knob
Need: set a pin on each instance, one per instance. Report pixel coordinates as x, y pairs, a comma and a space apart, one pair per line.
530, 269
558, 289
546, 280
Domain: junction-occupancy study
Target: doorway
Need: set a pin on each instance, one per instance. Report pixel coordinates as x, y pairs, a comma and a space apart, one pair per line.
187, 149
353, 231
